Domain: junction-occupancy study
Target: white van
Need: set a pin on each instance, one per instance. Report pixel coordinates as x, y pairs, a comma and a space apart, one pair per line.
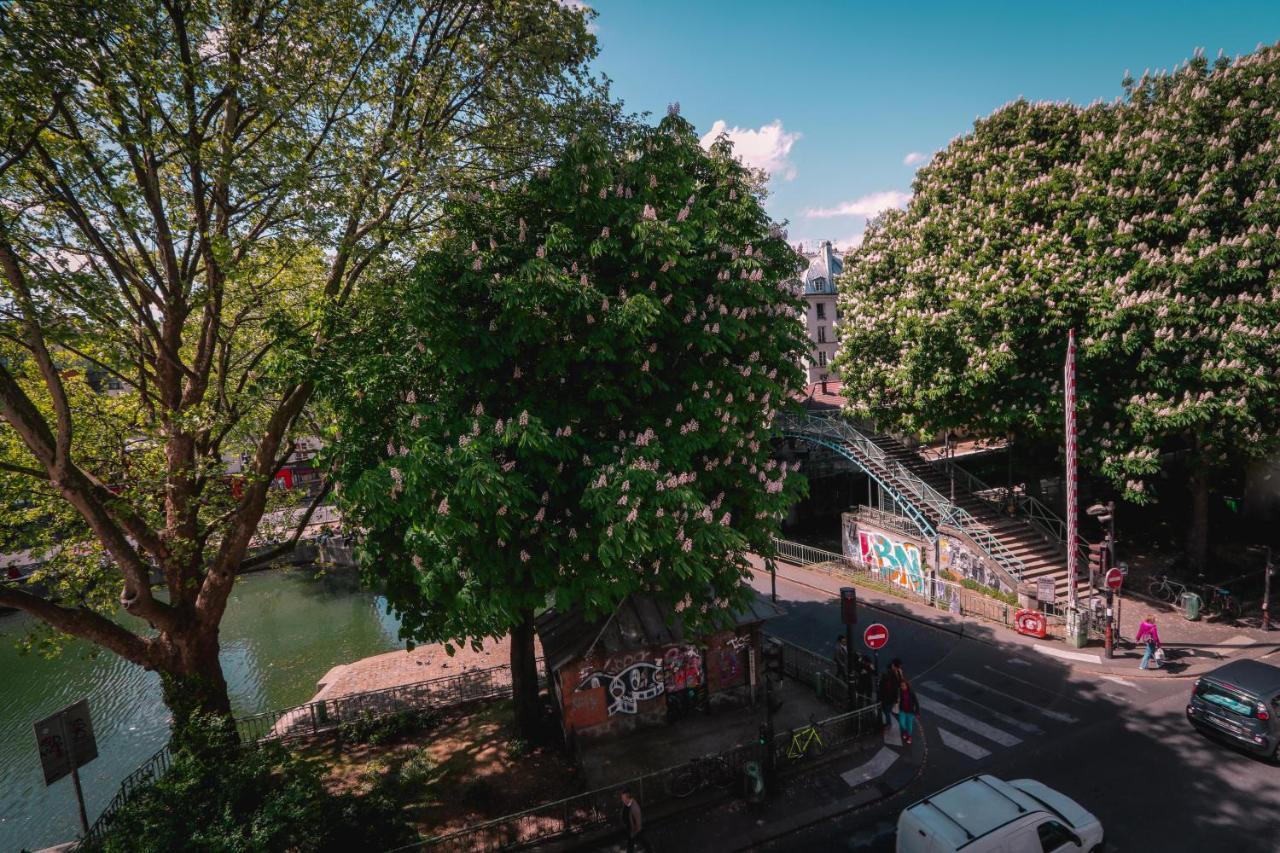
983, 814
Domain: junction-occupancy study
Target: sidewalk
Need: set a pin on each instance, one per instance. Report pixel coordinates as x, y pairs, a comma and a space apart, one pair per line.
843, 781
1193, 647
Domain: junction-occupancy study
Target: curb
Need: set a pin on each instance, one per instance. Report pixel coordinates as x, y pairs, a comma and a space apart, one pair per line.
889, 784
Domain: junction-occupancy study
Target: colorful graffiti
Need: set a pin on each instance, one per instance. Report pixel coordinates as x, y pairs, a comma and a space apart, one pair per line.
954, 557
899, 560
638, 682
682, 667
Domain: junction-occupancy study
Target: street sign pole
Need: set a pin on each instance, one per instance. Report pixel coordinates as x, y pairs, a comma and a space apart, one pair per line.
65, 741
1114, 580
84, 816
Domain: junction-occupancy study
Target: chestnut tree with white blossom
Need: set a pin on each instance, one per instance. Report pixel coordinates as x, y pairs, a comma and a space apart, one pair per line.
1149, 225
571, 400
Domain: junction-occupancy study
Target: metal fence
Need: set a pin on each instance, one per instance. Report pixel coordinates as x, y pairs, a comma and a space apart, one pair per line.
326, 715
935, 592
321, 716
597, 809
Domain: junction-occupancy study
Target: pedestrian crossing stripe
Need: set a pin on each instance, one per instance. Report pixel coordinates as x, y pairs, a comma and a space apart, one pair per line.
973, 724
1022, 725
965, 747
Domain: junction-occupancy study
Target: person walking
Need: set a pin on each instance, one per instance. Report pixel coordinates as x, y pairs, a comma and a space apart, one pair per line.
889, 692
633, 822
1148, 634
908, 706
841, 658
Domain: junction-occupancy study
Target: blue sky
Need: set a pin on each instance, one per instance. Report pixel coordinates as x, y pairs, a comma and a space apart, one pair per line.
834, 96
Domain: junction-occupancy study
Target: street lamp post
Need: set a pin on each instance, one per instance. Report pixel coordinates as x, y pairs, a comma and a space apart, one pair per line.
1106, 514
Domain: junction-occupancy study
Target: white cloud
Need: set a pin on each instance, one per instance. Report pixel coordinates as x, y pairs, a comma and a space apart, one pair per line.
585, 8
767, 148
867, 205
914, 158
849, 243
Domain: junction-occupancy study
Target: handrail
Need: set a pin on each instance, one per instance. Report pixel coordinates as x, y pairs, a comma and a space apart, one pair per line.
899, 476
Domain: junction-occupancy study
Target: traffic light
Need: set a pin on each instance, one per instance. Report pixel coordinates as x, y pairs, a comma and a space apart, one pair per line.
1098, 559
771, 652
848, 605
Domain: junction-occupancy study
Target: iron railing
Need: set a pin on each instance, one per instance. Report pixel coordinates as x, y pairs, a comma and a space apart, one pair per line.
934, 591
597, 809
323, 716
315, 717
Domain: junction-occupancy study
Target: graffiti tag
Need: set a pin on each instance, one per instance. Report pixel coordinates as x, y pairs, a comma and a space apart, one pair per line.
900, 560
683, 667
639, 682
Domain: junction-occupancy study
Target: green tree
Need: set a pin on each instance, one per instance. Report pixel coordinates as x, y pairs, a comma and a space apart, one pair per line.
571, 399
1148, 225
187, 192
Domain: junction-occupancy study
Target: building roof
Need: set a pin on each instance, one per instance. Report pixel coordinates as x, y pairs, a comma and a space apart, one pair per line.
637, 623
823, 397
825, 264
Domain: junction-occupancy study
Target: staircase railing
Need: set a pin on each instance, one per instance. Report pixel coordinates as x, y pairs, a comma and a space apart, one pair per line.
946, 512
1043, 519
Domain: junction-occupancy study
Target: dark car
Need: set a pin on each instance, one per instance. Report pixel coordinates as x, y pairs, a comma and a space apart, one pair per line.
1240, 703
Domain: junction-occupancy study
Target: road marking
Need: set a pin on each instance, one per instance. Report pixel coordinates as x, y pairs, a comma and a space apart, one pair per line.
974, 725
1059, 653
1239, 640
1117, 698
1019, 662
1122, 681
1054, 715
1029, 728
963, 746
872, 769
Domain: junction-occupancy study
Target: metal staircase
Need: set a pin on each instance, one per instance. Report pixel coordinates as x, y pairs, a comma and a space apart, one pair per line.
1027, 546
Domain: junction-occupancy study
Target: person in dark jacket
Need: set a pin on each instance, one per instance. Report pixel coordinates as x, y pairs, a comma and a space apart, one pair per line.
888, 693
633, 823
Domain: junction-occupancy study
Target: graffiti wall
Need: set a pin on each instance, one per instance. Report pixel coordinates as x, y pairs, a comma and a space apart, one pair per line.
624, 691
893, 556
960, 560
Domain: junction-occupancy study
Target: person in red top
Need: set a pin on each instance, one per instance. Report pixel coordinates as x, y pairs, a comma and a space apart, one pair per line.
1147, 633
908, 704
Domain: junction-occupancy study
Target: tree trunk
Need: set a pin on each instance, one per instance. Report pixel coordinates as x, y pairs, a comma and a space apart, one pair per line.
524, 679
1198, 528
196, 694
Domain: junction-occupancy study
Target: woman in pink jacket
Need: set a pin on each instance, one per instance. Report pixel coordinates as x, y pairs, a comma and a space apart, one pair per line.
1147, 632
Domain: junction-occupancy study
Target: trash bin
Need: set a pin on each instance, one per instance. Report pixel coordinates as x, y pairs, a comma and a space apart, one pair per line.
1191, 605
753, 782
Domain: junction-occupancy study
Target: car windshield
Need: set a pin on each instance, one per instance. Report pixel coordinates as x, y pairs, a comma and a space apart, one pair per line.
1216, 694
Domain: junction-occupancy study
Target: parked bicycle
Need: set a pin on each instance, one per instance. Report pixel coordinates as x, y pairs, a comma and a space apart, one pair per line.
704, 772
1219, 600
1165, 589
803, 740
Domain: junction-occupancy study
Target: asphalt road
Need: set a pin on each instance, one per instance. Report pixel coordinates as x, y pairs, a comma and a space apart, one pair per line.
1120, 746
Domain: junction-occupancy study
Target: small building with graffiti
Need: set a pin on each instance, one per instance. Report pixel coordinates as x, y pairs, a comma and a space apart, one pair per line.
635, 669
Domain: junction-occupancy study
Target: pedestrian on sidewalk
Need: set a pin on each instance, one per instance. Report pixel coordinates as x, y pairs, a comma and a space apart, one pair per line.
842, 658
1148, 634
633, 823
889, 692
908, 706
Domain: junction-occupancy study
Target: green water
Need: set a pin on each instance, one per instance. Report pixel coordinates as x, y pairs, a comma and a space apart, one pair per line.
282, 631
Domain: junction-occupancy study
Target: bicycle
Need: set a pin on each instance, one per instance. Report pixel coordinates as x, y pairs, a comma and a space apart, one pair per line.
707, 771
1166, 590
1222, 602
803, 739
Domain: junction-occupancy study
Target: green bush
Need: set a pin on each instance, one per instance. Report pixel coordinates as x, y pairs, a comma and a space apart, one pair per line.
258, 799
379, 730
1006, 597
419, 769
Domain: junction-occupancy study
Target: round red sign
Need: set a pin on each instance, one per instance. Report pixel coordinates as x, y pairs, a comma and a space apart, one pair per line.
875, 636
1115, 578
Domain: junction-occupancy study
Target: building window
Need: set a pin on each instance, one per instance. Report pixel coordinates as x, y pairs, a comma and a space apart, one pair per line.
819, 284
822, 334
822, 310
822, 359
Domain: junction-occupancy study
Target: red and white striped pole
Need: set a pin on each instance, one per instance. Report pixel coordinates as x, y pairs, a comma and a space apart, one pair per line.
1069, 381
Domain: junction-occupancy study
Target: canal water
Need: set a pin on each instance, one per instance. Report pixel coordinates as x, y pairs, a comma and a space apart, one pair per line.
282, 631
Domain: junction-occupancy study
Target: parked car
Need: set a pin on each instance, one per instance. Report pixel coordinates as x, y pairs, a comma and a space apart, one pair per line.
983, 814
1239, 703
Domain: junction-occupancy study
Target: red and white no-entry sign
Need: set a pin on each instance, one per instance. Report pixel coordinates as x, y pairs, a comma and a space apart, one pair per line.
1114, 579
875, 636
